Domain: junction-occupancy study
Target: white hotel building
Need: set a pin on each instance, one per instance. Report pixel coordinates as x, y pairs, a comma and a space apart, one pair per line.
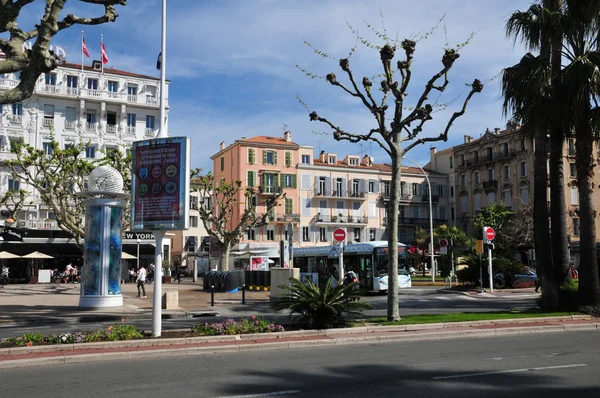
109, 108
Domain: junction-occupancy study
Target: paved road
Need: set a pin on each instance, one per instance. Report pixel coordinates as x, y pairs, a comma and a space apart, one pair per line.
423, 300
544, 365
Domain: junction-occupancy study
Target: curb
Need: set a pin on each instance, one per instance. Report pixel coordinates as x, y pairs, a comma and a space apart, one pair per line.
489, 295
74, 353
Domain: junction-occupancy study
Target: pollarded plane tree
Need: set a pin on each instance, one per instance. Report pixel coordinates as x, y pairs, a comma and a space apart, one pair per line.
39, 59
398, 126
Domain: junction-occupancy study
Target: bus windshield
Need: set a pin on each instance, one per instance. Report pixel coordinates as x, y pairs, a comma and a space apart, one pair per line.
382, 260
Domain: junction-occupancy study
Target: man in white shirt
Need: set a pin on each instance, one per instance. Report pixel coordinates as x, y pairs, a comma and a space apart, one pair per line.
141, 279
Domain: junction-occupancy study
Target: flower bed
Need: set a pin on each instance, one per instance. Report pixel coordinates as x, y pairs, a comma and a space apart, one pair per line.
130, 332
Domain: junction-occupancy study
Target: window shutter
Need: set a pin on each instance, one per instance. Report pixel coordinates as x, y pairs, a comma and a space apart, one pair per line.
361, 186
264, 157
344, 187
376, 186
288, 159
275, 158
252, 178
434, 189
293, 181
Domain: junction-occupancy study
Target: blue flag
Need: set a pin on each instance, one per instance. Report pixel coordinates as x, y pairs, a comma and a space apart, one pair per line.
159, 61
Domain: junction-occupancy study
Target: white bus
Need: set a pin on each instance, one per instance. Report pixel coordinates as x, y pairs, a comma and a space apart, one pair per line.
368, 260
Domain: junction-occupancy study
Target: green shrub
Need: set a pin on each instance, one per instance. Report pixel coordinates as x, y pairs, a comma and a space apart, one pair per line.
230, 326
33, 338
322, 307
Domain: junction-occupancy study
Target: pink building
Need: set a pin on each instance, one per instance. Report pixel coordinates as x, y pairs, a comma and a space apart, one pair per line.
269, 162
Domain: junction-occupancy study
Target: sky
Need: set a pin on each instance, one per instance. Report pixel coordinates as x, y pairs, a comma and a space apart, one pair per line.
233, 72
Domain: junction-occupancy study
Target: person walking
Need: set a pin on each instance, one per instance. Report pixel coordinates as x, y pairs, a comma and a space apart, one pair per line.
177, 274
141, 279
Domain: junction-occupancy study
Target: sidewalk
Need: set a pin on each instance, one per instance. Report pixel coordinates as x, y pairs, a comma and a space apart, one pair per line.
147, 348
56, 303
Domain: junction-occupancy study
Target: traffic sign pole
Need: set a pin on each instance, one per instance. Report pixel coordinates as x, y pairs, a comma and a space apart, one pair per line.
340, 235
490, 268
488, 236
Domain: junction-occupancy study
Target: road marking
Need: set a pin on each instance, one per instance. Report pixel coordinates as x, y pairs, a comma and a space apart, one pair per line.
266, 394
442, 298
577, 365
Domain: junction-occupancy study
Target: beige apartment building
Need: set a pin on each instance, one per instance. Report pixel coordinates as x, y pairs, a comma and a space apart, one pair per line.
499, 167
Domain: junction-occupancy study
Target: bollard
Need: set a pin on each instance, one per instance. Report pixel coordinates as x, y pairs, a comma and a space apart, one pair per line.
244, 294
212, 295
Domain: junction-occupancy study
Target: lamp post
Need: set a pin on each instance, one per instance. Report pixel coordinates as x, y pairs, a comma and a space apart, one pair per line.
138, 241
430, 218
291, 243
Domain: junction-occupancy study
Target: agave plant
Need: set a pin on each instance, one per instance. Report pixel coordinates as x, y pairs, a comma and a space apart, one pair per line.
322, 307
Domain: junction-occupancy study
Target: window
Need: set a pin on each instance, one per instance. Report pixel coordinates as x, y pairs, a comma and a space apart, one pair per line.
50, 79
572, 170
48, 111
13, 184
371, 186
506, 172
305, 234
251, 156
250, 234
451, 159
442, 213
491, 198
523, 168
452, 215
131, 120
338, 187
113, 86
475, 156
132, 90
524, 191
150, 119
372, 234
571, 147
17, 109
353, 161
72, 81
385, 185
574, 196
332, 160
270, 157
372, 209
289, 206
477, 202
222, 163
322, 234
462, 160
463, 204
463, 181
451, 191
14, 142
251, 178
490, 174
522, 144
92, 84
357, 234
306, 159
71, 114
288, 159
111, 119
505, 150
270, 234
576, 226
507, 198
489, 154
193, 221
322, 186
47, 148
305, 181
476, 178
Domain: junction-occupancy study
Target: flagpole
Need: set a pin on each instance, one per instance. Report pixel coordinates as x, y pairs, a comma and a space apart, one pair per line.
159, 235
101, 53
82, 51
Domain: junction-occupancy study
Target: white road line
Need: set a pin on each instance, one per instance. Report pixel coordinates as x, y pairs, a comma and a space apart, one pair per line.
577, 365
442, 298
266, 394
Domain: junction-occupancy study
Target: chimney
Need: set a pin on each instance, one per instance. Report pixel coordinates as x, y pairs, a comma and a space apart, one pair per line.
497, 130
222, 145
432, 158
243, 138
287, 136
468, 139
322, 156
365, 161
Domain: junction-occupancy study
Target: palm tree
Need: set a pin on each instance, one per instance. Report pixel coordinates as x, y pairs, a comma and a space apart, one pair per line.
526, 90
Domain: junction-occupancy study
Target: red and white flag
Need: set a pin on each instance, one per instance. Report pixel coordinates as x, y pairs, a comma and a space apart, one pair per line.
104, 56
84, 47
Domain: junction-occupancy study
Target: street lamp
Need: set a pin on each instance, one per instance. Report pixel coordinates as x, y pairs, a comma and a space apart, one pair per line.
138, 241
430, 218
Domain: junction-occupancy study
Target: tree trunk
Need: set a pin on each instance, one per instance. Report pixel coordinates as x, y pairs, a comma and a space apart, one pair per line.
225, 257
393, 311
589, 284
541, 226
558, 211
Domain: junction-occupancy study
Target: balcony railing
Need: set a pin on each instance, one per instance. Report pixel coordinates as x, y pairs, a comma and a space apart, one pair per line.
149, 132
90, 126
490, 185
417, 221
7, 83
70, 125
131, 98
434, 198
51, 89
341, 219
111, 128
151, 100
113, 94
48, 122
284, 218
131, 129
271, 189
73, 91
405, 197
16, 119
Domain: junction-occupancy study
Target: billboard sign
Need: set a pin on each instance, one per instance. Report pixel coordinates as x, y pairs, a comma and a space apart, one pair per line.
160, 181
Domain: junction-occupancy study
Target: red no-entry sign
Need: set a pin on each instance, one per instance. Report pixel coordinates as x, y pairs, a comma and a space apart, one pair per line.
339, 234
490, 234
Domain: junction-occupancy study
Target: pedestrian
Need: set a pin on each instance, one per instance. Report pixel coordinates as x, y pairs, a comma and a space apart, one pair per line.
68, 270
177, 274
131, 275
141, 279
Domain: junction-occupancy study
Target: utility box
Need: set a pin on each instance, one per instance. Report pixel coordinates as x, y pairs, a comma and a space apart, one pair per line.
170, 298
281, 276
